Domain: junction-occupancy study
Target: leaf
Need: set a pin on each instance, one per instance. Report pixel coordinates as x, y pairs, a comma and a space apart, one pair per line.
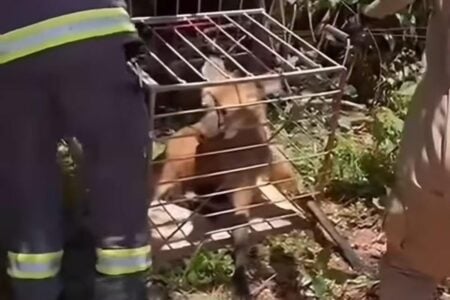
323, 257
333, 3
345, 123
390, 40
408, 88
401, 18
350, 90
158, 149
320, 287
352, 2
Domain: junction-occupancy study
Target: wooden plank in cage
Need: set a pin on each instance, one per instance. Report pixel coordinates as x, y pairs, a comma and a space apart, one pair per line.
272, 217
273, 195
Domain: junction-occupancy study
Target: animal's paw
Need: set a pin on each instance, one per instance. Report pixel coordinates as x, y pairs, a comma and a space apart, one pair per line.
241, 290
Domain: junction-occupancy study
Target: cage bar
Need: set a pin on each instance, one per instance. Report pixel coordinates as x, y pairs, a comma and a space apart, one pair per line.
308, 111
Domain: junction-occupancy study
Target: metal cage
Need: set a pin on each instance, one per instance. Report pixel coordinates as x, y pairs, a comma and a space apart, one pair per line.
154, 8
302, 120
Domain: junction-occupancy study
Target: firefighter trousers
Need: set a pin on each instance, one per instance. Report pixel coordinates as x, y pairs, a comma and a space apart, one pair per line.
83, 89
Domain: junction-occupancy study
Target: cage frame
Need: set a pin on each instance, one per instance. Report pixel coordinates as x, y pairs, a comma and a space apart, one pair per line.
153, 88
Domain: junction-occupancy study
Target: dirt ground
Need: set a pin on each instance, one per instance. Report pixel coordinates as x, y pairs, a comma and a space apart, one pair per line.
295, 267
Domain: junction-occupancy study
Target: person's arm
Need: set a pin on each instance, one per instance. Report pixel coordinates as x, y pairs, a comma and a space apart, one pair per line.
382, 8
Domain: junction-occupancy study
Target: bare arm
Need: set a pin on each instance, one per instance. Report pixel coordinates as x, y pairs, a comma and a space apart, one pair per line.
382, 8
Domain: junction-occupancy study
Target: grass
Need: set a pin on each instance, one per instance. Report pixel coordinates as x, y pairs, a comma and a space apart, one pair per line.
365, 163
302, 267
206, 270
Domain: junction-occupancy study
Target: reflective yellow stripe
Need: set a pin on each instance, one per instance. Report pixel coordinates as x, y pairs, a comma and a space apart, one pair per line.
123, 261
62, 30
34, 266
123, 253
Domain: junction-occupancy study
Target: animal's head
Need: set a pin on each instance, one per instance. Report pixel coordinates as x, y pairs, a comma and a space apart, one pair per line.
237, 103
227, 94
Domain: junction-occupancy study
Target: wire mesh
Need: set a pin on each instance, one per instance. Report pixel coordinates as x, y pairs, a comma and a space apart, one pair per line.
177, 7
244, 49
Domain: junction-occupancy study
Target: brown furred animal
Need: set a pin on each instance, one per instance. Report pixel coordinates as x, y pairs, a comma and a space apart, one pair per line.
283, 175
179, 162
236, 149
247, 165
249, 120
232, 98
238, 169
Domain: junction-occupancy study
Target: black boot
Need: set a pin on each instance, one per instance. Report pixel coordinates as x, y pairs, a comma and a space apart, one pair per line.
128, 287
123, 287
78, 265
48, 289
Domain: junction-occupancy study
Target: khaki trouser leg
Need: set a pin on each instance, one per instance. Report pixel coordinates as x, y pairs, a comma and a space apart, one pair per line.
417, 227
401, 284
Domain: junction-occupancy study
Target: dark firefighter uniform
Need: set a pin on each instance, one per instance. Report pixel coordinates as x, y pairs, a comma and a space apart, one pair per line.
63, 72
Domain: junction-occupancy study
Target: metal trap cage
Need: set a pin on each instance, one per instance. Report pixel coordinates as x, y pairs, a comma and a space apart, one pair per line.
301, 119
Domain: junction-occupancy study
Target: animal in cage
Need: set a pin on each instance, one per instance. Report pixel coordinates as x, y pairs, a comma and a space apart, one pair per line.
179, 161
174, 175
241, 170
238, 103
226, 151
283, 175
221, 130
242, 87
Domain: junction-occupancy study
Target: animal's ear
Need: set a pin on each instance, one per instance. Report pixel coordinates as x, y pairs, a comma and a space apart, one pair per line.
271, 86
210, 69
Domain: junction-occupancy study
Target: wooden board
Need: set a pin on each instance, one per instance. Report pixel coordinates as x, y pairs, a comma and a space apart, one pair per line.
275, 215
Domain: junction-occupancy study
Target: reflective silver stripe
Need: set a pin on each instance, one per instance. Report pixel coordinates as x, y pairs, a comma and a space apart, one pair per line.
124, 265
34, 266
123, 261
58, 33
62, 30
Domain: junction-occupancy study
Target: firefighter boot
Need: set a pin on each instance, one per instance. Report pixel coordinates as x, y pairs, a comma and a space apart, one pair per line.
121, 287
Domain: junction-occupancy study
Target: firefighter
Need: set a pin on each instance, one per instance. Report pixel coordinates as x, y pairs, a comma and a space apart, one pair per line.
417, 220
63, 72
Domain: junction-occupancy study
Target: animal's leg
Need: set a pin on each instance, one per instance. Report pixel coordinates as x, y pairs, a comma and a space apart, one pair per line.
168, 176
241, 244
